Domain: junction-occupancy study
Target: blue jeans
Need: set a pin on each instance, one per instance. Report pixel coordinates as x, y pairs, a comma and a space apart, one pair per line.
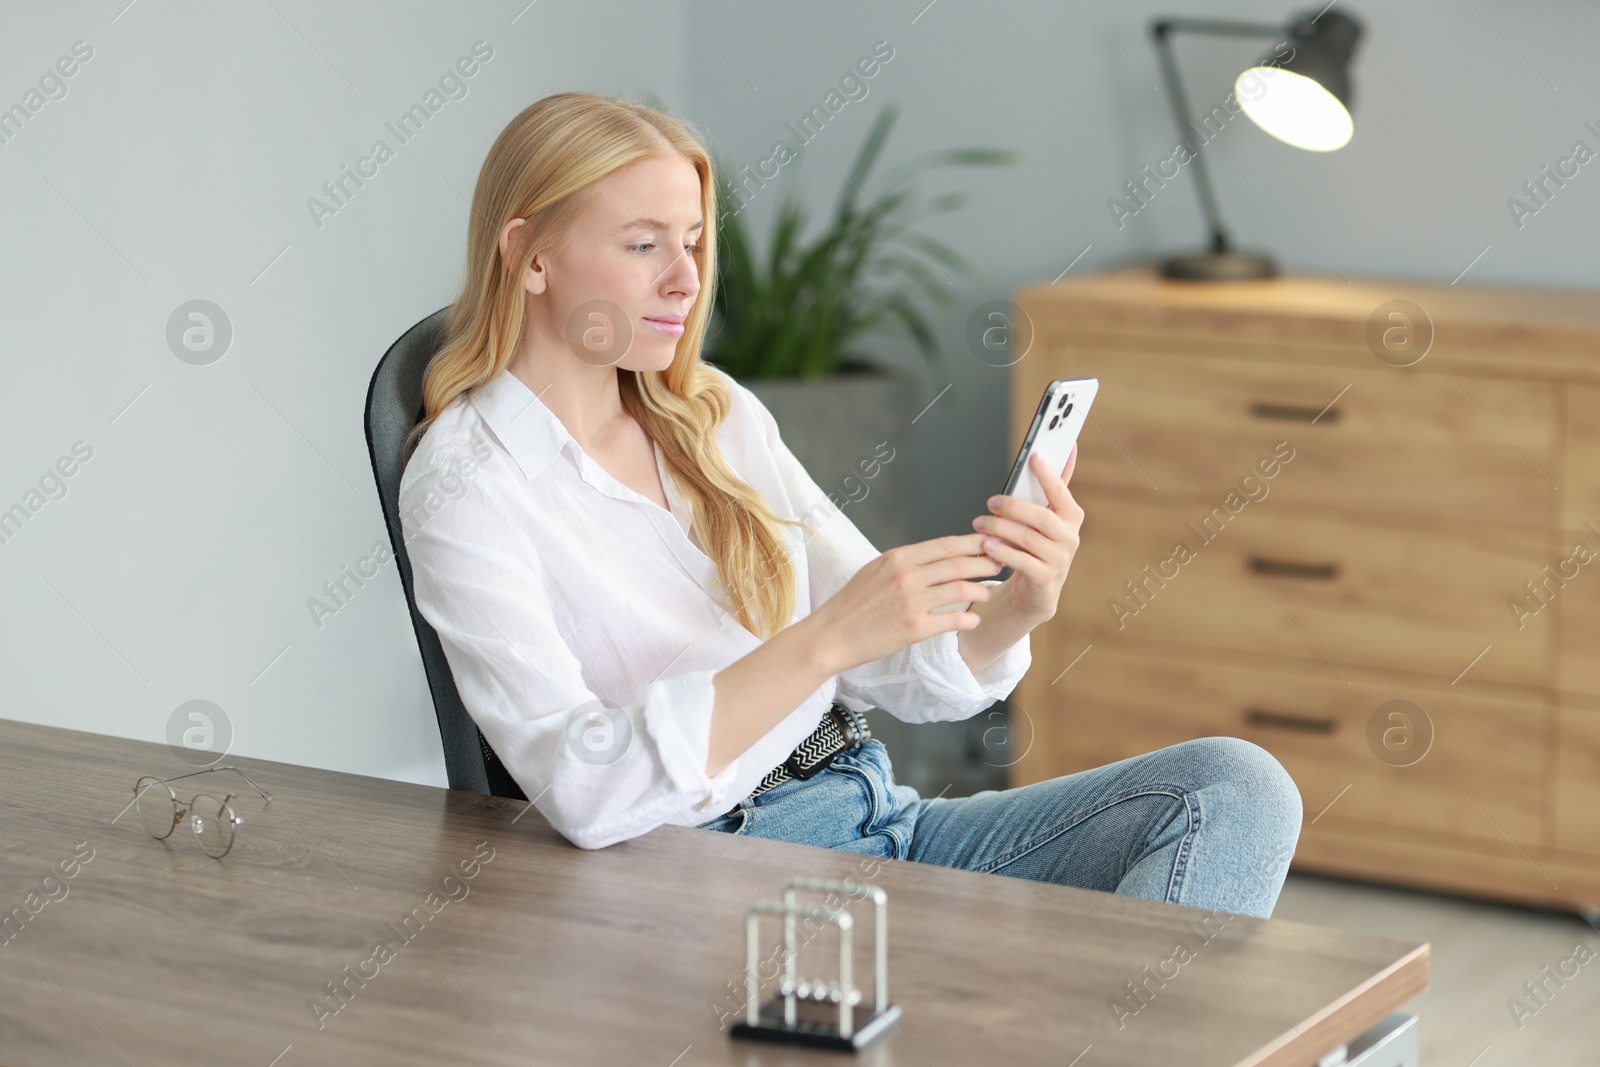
1210, 823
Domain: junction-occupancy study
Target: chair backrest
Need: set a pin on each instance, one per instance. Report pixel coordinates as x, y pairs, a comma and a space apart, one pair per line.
394, 406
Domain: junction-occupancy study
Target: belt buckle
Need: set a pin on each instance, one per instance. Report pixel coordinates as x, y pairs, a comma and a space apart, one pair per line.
804, 773
847, 727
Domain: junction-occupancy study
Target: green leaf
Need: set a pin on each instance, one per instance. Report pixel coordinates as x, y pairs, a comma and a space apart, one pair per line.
808, 302
868, 155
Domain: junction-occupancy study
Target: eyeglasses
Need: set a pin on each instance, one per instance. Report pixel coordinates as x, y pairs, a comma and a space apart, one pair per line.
213, 820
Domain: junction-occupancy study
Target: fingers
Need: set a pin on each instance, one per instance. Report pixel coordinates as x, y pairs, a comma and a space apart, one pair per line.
958, 592
962, 567
941, 548
1019, 561
1055, 485
1062, 507
1011, 532
956, 620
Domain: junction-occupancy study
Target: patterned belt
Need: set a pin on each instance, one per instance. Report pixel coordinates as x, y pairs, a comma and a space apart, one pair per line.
840, 728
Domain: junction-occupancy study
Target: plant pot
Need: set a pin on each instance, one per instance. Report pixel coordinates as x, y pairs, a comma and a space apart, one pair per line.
852, 433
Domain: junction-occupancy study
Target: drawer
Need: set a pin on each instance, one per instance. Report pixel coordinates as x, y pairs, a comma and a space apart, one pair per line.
1397, 441
1578, 782
1276, 581
1484, 751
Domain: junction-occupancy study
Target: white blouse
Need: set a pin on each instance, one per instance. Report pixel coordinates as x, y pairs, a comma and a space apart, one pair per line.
583, 625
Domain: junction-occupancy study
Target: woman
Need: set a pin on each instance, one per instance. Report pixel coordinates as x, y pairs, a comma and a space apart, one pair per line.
655, 615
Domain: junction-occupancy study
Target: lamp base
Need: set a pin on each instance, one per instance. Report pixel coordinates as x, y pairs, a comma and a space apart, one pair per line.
1219, 267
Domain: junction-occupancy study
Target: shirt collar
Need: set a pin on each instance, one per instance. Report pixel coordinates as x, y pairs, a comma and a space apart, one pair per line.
528, 429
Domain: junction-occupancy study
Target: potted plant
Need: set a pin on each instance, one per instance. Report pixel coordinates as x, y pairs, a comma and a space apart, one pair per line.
794, 326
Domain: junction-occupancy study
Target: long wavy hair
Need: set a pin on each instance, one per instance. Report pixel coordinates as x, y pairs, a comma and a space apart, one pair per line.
537, 169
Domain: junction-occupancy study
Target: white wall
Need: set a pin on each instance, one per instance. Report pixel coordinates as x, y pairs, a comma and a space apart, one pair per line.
178, 165
1451, 119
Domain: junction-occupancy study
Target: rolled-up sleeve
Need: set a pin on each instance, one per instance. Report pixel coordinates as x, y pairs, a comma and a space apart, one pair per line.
928, 681
599, 772
931, 682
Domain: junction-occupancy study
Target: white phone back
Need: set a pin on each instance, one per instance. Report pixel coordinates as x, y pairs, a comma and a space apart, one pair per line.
1055, 443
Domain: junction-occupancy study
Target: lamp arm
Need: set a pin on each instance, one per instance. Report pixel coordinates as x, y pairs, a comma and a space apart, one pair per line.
1161, 30
1216, 27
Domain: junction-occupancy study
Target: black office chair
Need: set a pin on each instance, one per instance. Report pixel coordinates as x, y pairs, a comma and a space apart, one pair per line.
394, 406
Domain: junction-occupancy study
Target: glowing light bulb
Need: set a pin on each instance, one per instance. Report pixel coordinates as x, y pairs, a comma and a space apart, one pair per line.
1295, 109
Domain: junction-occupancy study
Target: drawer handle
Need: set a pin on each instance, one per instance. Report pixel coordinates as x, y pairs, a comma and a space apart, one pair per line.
1283, 721
1293, 412
1283, 568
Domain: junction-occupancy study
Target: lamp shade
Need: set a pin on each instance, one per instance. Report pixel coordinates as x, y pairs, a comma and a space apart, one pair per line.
1304, 100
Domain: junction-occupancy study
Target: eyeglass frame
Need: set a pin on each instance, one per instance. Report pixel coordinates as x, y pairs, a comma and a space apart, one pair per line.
184, 811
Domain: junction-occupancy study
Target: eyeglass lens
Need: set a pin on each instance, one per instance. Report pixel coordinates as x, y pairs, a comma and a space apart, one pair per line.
213, 824
158, 807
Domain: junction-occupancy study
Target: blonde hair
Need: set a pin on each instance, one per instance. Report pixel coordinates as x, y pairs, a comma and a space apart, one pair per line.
537, 170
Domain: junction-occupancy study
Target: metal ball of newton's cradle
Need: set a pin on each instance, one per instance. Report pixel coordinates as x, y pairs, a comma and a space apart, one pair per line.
819, 990
829, 1020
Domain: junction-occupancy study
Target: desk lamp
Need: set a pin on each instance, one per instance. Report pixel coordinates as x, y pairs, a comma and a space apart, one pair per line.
1302, 98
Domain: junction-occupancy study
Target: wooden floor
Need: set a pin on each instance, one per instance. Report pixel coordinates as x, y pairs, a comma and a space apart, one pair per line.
1482, 955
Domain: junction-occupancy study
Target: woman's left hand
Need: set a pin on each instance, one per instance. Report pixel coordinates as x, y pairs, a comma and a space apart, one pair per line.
1035, 541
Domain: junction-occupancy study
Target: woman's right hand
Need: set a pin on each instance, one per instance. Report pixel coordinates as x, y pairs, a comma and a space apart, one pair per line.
888, 605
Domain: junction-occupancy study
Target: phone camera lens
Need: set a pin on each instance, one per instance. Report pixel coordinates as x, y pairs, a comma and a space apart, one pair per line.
1067, 412
1063, 400
1053, 420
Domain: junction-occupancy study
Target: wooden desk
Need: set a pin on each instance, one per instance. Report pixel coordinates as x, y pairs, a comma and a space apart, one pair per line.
159, 954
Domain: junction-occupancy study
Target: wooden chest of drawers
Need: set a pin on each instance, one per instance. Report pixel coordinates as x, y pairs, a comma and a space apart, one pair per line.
1357, 524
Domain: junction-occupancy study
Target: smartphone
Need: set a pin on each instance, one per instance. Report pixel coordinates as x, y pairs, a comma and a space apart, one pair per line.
1063, 410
